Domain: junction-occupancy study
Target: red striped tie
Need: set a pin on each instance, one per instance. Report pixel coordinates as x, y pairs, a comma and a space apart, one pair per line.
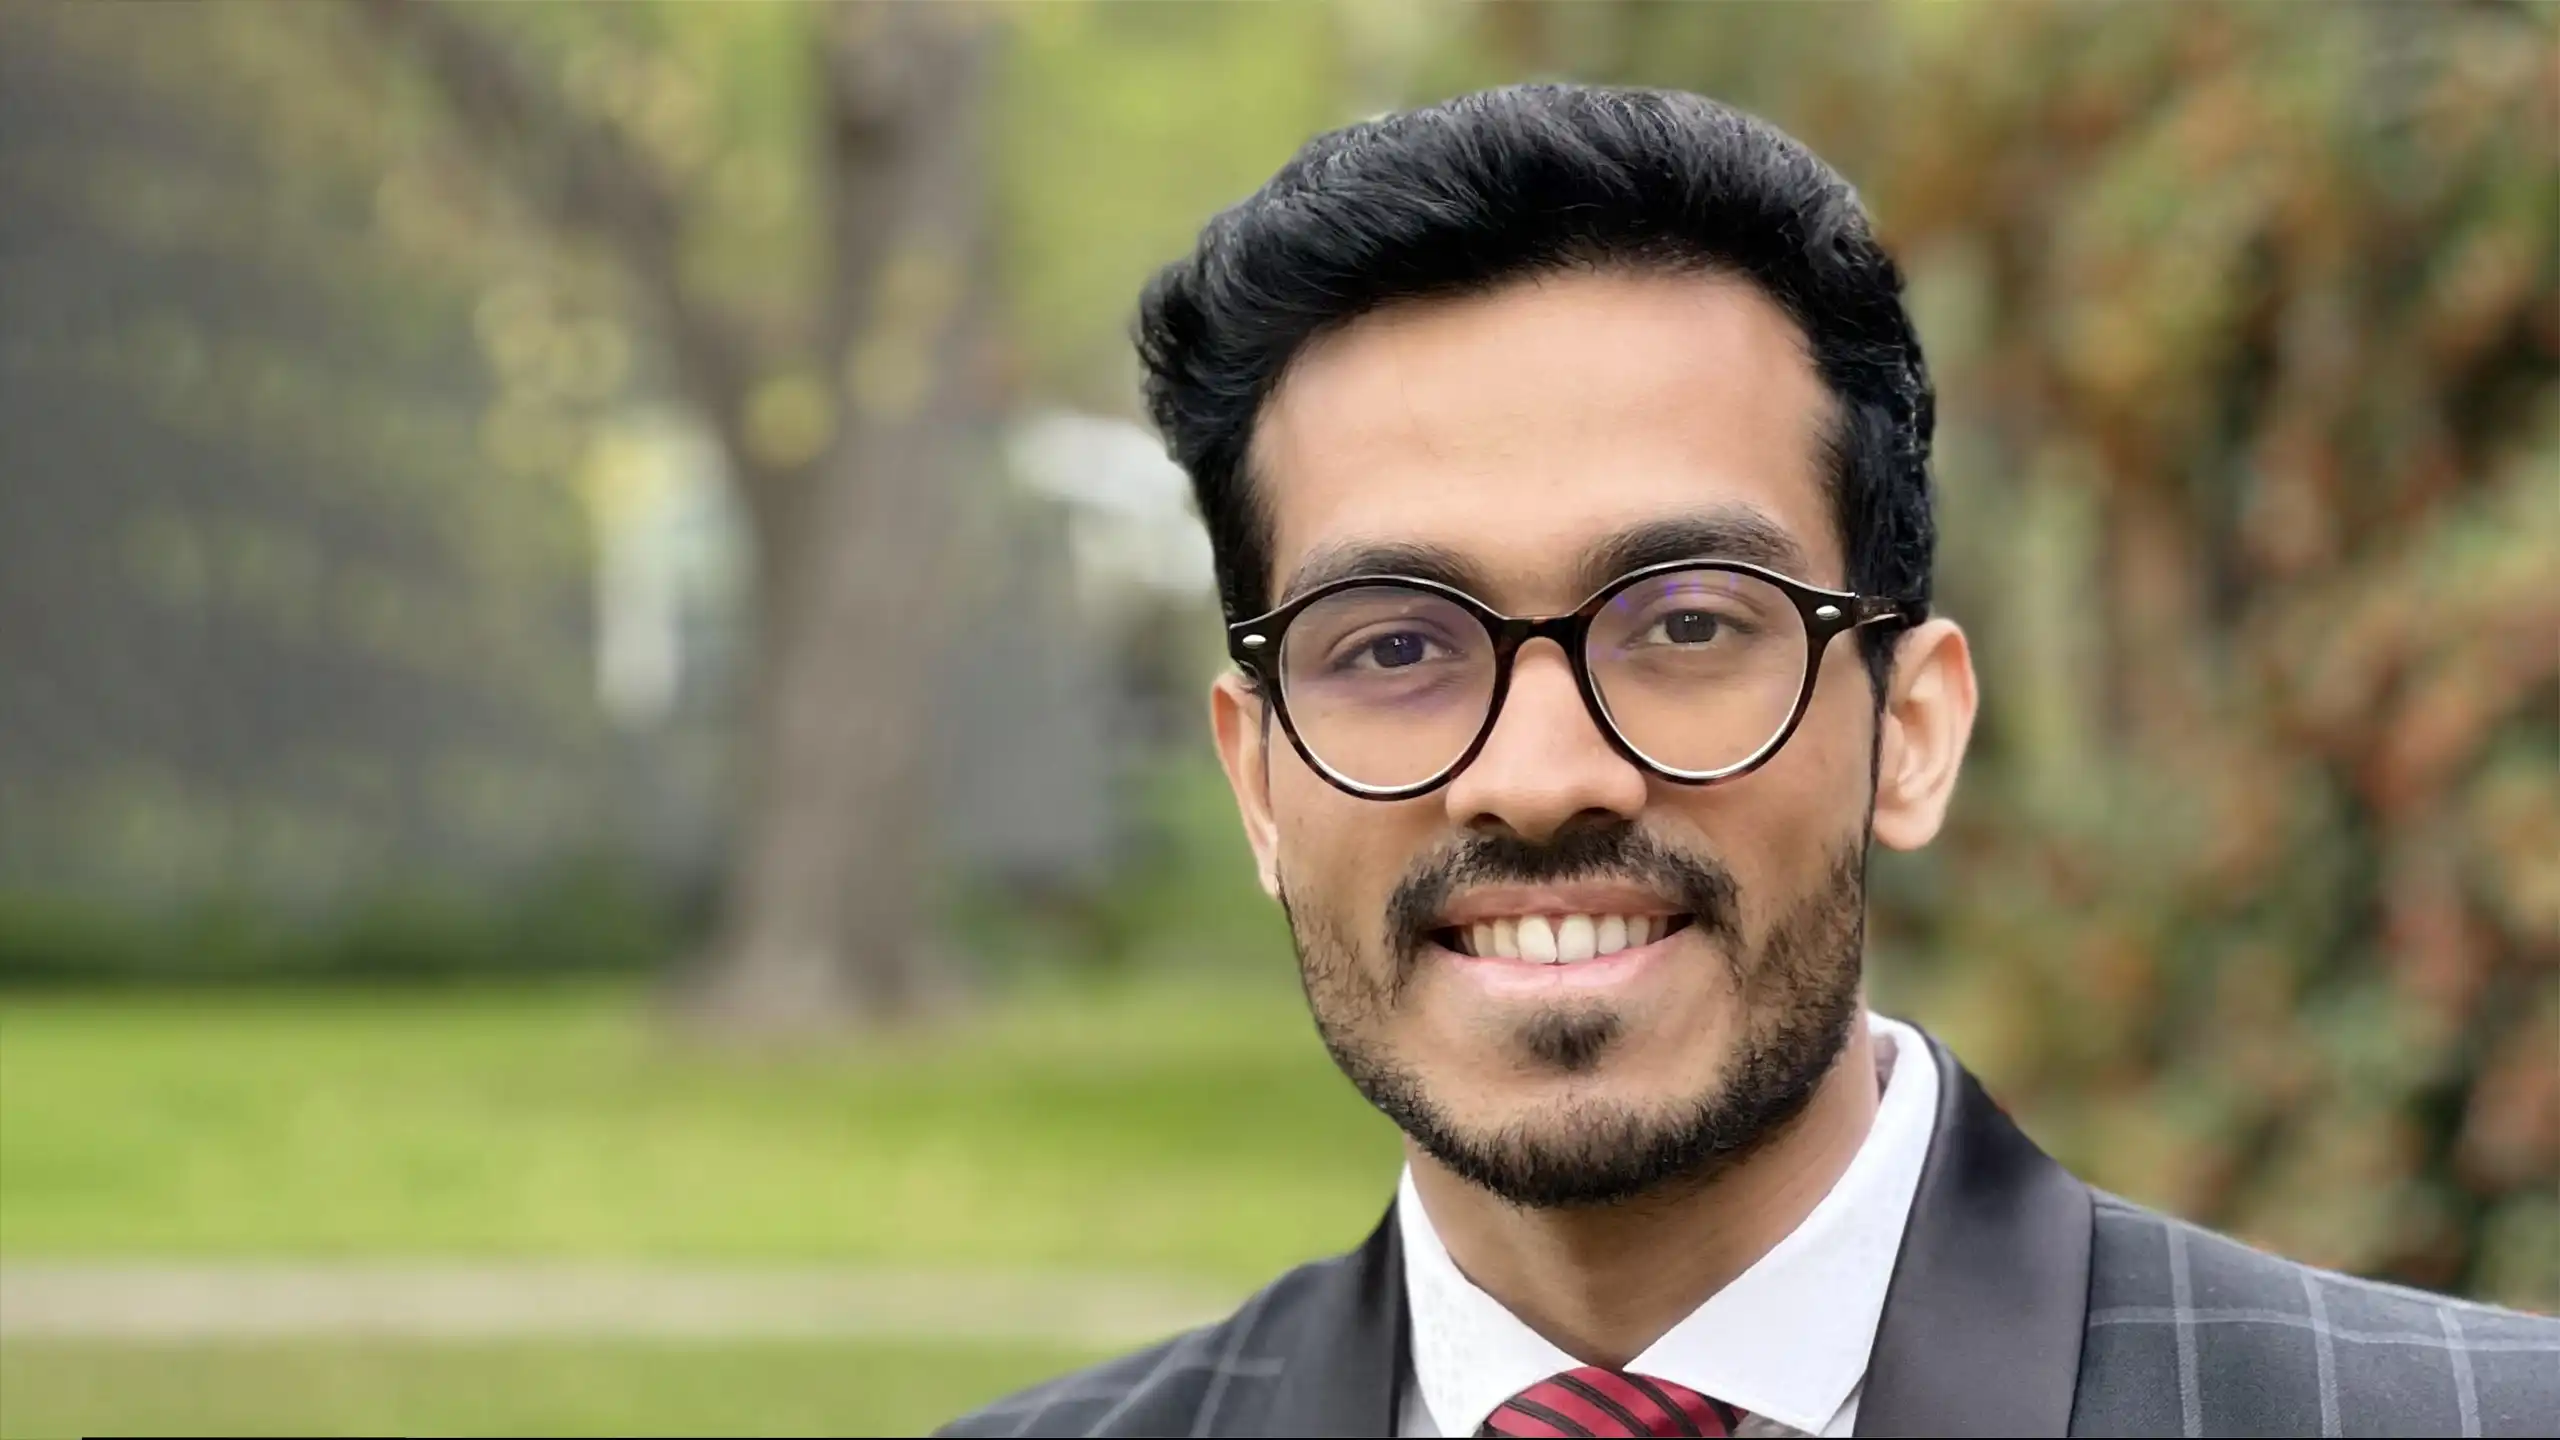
1593, 1402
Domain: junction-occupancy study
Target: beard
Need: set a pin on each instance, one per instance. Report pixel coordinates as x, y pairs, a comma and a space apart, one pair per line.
1797, 989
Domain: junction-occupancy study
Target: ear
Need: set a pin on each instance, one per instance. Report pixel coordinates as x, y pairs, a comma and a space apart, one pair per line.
1236, 718
1927, 722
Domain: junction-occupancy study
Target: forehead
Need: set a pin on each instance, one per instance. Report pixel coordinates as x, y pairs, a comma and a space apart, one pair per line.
1526, 434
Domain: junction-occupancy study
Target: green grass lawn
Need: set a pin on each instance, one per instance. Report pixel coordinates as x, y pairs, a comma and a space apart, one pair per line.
52, 1388
1197, 1131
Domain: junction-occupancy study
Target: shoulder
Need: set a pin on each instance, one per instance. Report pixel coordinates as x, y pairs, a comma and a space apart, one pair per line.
1214, 1380
2193, 1333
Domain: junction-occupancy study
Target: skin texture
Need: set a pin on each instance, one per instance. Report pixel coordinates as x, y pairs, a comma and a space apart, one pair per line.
1707, 1097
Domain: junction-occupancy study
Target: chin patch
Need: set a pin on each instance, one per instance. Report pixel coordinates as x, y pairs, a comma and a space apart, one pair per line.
1571, 1040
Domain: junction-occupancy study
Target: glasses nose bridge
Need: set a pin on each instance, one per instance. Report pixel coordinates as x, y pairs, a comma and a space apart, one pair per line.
1514, 631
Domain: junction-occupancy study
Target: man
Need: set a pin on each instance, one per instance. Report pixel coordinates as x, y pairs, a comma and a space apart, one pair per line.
1564, 453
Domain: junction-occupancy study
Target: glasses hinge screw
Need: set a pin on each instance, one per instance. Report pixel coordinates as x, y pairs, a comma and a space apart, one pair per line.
1827, 612
1253, 642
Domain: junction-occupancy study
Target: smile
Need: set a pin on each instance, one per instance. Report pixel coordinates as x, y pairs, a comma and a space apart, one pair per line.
1565, 939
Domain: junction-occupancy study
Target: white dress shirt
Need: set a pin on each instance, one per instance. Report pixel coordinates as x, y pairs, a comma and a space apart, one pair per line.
1787, 1341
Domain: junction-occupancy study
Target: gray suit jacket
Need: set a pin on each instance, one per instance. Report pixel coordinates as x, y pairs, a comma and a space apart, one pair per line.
2023, 1303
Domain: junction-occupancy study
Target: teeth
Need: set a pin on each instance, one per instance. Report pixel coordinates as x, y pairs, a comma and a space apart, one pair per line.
1537, 940
1576, 939
1561, 939
1612, 936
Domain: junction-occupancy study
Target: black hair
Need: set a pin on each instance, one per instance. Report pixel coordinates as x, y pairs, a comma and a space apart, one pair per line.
1463, 196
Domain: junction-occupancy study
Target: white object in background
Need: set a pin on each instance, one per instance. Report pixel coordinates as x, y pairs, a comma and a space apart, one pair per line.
665, 546
1130, 518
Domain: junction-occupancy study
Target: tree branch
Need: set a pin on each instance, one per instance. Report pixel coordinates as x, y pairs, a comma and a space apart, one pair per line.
574, 170
886, 72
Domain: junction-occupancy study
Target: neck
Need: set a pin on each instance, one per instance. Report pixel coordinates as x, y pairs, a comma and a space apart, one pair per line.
1604, 1282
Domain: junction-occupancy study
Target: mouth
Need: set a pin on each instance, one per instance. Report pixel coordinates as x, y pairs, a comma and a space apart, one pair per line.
1557, 939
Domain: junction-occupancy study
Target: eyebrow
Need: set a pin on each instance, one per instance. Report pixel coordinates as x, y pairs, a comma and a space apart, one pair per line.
1355, 559
1732, 533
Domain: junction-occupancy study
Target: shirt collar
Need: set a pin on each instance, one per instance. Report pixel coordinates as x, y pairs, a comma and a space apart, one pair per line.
1788, 1339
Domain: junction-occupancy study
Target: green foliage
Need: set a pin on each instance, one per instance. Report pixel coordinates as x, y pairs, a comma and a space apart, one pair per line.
324, 1387
1193, 1130
1123, 127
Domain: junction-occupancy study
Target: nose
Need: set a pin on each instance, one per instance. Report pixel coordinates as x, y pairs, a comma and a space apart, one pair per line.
1546, 761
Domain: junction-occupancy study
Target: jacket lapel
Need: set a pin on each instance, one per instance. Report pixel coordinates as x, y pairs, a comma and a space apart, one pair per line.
1982, 1325
1345, 1354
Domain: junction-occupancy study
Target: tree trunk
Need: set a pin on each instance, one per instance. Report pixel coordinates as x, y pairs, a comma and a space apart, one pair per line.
821, 917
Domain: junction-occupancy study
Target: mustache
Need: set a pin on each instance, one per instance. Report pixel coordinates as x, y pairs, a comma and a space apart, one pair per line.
1589, 850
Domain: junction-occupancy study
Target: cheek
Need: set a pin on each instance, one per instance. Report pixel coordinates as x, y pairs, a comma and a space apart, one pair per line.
1304, 813
1826, 760
1337, 852
1781, 826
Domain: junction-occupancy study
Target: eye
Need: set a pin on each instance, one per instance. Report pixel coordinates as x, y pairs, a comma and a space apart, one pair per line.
1394, 650
1689, 627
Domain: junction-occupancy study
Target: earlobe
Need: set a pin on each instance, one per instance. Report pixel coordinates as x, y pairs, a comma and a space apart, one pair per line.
1237, 721
1926, 725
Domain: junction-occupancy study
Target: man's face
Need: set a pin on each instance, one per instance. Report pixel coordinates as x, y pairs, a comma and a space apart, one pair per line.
1522, 435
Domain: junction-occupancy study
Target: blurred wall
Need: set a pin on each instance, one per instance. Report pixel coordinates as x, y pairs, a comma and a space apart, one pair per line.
272, 623
302, 619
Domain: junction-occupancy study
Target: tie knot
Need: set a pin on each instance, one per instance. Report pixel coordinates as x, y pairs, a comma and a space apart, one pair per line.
1592, 1401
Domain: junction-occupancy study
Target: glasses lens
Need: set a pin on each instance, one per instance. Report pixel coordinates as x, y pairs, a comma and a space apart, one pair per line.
1386, 684
1699, 668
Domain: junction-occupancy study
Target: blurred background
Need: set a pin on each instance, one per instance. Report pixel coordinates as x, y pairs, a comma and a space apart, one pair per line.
605, 823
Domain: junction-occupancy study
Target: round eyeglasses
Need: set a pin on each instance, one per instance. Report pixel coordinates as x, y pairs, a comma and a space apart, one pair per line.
1696, 670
